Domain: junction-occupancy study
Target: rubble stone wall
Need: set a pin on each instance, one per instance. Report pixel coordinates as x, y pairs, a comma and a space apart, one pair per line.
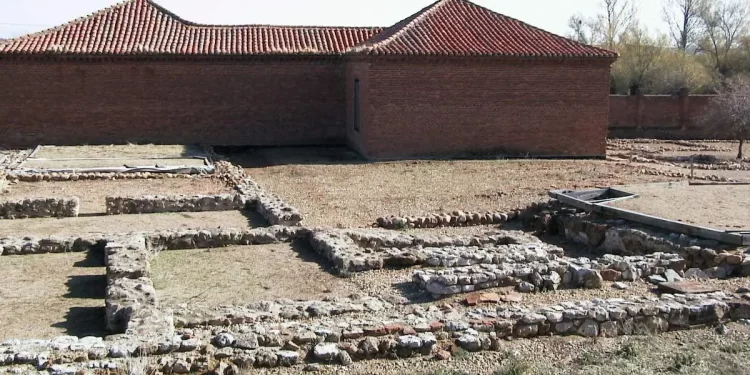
150, 204
39, 207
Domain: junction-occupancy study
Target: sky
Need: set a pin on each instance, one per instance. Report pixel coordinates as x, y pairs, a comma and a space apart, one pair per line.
19, 17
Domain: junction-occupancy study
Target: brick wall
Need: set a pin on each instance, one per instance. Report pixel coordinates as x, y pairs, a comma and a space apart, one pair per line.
659, 116
220, 103
424, 108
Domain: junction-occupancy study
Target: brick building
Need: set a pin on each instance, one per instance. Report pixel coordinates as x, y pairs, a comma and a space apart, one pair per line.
454, 78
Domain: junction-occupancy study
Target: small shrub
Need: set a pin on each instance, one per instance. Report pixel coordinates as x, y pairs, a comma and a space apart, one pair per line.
461, 353
589, 358
514, 366
682, 361
629, 350
736, 348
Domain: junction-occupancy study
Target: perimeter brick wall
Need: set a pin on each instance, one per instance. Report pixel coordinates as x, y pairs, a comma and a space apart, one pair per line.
480, 106
279, 102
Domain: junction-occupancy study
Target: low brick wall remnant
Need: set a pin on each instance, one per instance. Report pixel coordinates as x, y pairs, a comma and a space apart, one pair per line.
150, 204
39, 207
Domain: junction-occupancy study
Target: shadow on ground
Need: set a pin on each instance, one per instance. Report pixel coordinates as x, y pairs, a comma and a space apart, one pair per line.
258, 157
86, 286
83, 321
254, 219
94, 258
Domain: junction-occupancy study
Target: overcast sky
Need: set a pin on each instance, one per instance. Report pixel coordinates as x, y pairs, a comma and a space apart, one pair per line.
19, 17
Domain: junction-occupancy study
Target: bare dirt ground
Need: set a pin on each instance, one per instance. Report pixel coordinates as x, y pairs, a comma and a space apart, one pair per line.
725, 207
73, 226
49, 295
354, 194
117, 151
244, 274
93, 219
674, 156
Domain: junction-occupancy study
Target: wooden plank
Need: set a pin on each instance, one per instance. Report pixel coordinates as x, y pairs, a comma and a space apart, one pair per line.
707, 183
611, 200
674, 226
36, 149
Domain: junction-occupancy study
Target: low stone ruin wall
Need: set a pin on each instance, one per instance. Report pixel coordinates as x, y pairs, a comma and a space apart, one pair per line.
59, 176
151, 204
540, 273
363, 250
39, 207
454, 219
271, 207
157, 241
343, 340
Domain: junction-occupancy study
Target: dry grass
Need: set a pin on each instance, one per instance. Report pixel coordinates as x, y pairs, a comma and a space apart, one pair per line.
355, 194
117, 151
721, 207
243, 274
74, 226
48, 295
93, 192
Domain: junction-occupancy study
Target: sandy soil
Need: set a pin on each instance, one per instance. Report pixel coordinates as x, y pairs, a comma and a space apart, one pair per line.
49, 295
352, 194
721, 207
93, 192
74, 226
117, 151
243, 274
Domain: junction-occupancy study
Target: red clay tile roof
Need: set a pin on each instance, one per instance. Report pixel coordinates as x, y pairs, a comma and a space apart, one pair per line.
462, 28
447, 27
142, 27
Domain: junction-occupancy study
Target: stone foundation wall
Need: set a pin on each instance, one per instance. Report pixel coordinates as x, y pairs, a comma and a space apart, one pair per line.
361, 250
60, 176
453, 219
39, 207
539, 273
157, 241
179, 203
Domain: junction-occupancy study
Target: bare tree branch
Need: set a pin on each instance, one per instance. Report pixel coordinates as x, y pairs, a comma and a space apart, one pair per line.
683, 18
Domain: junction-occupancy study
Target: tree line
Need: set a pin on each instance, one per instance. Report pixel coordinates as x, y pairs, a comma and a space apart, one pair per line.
707, 45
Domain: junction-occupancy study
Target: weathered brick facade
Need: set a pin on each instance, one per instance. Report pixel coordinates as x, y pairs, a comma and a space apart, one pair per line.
417, 107
265, 102
455, 78
660, 116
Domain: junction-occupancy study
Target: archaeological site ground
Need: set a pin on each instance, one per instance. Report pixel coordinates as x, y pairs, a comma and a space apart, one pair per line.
145, 259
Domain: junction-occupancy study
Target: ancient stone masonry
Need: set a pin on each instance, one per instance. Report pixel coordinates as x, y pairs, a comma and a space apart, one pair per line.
539, 273
56, 176
363, 250
202, 239
39, 207
266, 311
454, 219
163, 240
271, 207
181, 203
341, 340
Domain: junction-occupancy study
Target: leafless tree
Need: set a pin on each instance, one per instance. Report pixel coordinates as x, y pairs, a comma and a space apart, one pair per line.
730, 111
607, 27
618, 16
683, 18
724, 23
581, 29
